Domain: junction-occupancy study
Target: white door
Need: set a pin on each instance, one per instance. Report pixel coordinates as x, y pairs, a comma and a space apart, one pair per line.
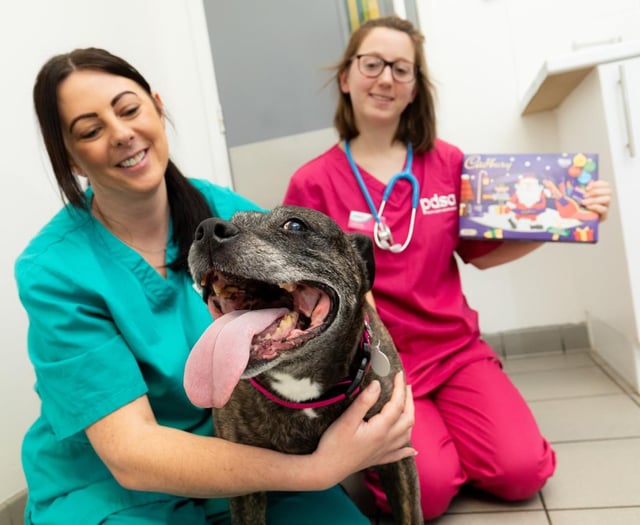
620, 84
618, 334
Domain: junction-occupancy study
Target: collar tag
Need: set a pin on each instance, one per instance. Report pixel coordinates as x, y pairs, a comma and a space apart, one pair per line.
380, 362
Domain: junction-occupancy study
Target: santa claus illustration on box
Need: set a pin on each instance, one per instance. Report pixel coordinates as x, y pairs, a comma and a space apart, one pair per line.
527, 202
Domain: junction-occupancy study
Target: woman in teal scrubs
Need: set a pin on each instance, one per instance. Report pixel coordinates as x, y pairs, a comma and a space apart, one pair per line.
113, 315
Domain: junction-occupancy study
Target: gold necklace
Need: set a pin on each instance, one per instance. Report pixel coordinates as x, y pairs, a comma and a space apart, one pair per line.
141, 249
107, 224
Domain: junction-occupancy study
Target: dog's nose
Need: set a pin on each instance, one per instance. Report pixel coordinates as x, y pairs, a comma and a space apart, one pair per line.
215, 230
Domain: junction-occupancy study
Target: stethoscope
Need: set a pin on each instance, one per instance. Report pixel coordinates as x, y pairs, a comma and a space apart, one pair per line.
381, 231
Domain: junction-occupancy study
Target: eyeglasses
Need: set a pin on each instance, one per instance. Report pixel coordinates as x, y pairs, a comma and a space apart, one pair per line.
372, 66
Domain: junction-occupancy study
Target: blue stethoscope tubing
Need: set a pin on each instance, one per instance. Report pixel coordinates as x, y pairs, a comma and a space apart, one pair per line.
381, 232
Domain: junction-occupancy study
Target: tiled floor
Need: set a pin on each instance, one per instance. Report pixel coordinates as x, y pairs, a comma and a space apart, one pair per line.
593, 423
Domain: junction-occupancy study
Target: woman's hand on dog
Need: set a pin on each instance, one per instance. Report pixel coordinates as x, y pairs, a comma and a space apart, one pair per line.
352, 444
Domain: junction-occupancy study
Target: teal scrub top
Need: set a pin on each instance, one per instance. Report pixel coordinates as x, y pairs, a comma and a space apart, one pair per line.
104, 329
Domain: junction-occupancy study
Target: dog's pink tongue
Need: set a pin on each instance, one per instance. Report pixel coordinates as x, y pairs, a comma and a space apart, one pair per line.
219, 357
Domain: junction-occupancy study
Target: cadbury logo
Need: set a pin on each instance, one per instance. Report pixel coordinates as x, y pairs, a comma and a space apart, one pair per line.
477, 162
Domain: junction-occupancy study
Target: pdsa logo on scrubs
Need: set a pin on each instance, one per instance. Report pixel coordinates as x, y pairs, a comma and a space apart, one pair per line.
438, 203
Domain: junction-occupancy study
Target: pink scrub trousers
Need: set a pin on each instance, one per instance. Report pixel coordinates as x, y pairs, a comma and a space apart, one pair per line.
475, 428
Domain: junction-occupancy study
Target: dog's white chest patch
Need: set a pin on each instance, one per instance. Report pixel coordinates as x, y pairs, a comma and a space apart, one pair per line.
296, 389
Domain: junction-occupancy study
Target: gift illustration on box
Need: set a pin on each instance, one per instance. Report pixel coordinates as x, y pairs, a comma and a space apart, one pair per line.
528, 197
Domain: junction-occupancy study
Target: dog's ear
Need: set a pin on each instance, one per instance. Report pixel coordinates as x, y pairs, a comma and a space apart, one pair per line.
364, 247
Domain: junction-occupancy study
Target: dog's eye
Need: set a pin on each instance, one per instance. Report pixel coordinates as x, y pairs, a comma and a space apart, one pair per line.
295, 225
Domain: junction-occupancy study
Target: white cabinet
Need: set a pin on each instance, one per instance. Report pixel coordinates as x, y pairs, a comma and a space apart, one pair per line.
598, 110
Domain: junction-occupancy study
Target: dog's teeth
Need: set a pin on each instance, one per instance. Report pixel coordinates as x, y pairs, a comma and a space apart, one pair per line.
287, 320
288, 287
286, 324
224, 291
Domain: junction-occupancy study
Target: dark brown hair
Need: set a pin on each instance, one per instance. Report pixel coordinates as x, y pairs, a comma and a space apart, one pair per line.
418, 120
188, 206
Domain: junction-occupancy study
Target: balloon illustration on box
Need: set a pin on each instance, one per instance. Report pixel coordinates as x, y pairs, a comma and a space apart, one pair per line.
528, 197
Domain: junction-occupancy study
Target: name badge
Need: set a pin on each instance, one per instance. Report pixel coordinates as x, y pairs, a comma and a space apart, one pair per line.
362, 221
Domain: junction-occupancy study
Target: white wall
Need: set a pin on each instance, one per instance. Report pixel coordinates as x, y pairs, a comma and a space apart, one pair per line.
482, 55
167, 41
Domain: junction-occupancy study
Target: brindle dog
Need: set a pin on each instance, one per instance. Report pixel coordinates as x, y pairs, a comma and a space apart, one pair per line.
293, 284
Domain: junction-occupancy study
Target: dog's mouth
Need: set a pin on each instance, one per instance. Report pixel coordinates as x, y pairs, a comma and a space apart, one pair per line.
309, 309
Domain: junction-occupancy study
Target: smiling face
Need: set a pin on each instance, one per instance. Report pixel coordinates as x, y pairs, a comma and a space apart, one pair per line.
381, 100
114, 133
